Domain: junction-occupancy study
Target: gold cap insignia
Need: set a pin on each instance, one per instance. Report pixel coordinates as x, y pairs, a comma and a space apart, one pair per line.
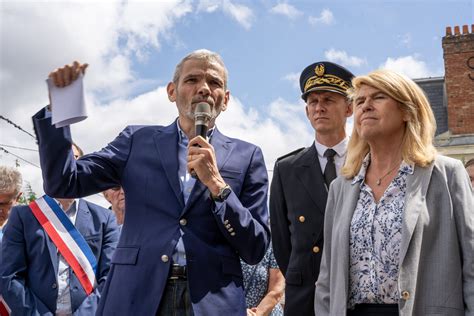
319, 70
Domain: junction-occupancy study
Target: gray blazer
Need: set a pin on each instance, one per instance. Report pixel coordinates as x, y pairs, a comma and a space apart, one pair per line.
436, 272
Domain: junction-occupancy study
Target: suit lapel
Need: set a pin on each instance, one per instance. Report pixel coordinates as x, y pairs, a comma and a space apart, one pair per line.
166, 141
308, 171
53, 252
350, 197
417, 187
223, 146
83, 218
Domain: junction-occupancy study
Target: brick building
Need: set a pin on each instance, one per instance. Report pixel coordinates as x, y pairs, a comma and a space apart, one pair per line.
452, 96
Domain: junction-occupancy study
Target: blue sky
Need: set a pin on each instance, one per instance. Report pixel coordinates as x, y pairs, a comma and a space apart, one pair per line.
273, 44
133, 46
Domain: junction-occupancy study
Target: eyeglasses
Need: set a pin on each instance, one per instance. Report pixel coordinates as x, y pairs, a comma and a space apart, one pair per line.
8, 203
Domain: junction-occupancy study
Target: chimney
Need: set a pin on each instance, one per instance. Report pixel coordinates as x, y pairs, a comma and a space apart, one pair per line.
458, 51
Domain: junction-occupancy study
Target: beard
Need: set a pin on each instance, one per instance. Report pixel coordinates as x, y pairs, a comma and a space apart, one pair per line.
215, 110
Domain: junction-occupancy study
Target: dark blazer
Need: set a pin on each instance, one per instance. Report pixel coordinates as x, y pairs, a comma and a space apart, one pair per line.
298, 197
144, 161
30, 260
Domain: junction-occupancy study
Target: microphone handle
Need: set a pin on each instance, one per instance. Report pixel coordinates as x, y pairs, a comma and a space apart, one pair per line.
201, 130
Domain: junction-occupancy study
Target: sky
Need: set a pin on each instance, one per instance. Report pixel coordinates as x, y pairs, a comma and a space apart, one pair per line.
132, 48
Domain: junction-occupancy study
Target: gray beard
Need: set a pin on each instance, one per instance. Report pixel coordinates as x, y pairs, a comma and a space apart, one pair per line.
190, 114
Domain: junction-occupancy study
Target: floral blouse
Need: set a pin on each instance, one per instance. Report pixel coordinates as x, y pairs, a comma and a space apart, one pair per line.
375, 238
256, 281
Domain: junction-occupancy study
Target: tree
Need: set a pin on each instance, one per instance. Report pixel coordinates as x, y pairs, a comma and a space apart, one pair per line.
28, 195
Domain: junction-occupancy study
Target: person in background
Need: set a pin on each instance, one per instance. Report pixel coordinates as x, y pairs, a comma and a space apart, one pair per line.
116, 198
182, 236
38, 275
399, 228
10, 193
300, 182
264, 286
470, 170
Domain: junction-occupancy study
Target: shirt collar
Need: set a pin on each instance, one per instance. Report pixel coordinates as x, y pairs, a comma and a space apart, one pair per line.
71, 212
340, 148
404, 168
183, 139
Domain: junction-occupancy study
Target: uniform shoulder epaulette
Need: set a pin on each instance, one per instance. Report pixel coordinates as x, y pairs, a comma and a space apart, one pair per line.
294, 152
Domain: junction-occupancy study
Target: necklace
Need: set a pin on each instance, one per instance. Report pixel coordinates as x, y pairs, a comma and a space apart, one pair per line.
379, 181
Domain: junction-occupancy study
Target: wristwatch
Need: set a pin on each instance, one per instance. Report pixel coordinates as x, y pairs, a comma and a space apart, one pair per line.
224, 192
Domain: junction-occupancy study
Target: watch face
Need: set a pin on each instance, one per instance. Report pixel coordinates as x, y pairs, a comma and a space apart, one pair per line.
225, 193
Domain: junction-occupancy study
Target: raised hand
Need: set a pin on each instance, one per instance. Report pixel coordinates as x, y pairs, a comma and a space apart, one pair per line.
64, 76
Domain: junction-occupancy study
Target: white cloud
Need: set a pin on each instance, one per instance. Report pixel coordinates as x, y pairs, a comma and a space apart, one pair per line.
326, 17
410, 66
208, 6
143, 22
283, 129
341, 57
294, 78
287, 10
242, 14
105, 34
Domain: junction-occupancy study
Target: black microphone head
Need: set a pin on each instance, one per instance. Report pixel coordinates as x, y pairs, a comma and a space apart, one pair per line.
202, 114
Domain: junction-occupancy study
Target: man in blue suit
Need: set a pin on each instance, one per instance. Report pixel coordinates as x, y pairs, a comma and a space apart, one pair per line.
182, 237
36, 278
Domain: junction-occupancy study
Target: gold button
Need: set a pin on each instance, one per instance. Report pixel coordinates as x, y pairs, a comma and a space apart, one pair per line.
232, 234
164, 258
227, 226
405, 295
316, 249
301, 219
183, 222
226, 221
230, 230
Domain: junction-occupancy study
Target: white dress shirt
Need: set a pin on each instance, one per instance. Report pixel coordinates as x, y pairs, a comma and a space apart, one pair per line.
339, 158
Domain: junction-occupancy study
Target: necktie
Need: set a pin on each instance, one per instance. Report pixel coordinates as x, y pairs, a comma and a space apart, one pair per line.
330, 170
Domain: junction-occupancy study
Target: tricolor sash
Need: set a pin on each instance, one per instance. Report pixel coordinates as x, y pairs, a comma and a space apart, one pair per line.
4, 309
67, 239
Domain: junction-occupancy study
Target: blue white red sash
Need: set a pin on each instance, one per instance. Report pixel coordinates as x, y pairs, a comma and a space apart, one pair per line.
4, 309
67, 239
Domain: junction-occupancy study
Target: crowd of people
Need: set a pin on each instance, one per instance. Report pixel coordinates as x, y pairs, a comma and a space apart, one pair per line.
375, 223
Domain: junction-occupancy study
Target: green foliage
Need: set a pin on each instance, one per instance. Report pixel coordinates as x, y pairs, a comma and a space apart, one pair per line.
28, 195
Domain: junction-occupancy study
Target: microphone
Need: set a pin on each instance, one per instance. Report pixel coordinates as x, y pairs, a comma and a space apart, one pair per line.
202, 116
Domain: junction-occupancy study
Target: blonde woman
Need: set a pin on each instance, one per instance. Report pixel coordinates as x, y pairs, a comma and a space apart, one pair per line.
399, 226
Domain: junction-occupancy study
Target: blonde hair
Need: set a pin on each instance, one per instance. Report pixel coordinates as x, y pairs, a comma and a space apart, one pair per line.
417, 144
10, 180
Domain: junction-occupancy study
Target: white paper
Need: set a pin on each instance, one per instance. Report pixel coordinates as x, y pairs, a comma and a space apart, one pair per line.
68, 103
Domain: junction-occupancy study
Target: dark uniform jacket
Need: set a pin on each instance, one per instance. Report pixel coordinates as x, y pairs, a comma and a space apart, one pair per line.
298, 197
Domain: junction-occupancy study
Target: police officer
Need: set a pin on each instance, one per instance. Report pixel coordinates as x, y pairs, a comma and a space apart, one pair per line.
301, 180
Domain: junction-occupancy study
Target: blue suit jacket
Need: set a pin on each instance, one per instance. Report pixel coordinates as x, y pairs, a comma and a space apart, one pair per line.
144, 161
30, 260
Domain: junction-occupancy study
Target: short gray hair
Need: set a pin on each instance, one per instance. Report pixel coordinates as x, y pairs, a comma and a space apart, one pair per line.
10, 180
202, 55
